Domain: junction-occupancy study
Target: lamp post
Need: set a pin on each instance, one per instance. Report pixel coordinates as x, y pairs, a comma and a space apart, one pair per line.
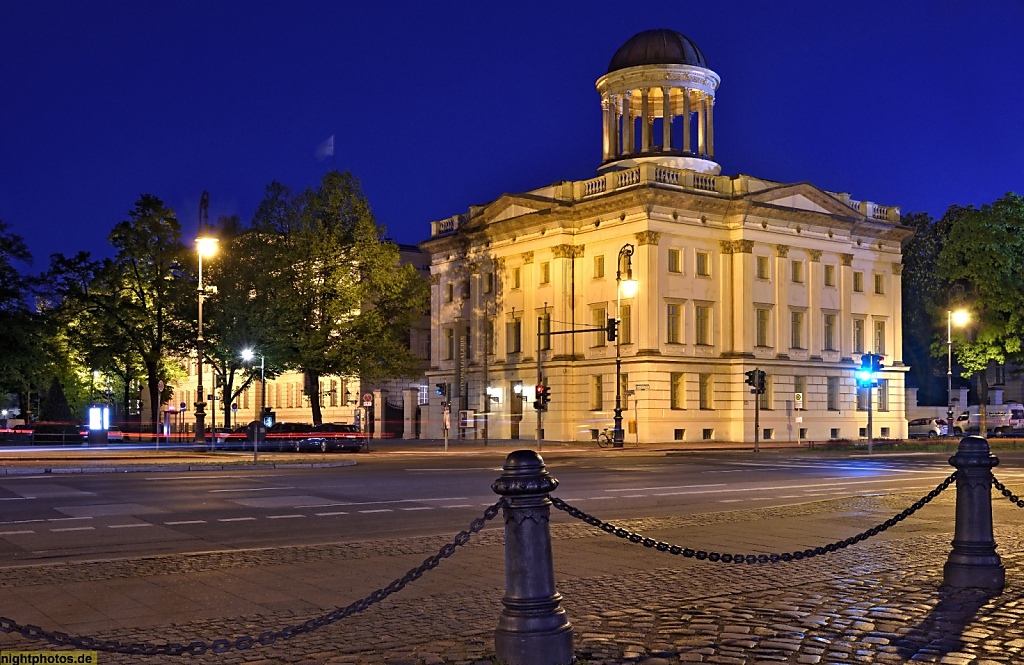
206, 245
248, 355
959, 318
629, 287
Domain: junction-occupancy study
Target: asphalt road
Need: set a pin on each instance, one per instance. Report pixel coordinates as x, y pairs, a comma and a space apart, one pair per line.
71, 517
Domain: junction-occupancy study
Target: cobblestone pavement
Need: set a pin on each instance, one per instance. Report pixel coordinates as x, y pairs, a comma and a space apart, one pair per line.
878, 601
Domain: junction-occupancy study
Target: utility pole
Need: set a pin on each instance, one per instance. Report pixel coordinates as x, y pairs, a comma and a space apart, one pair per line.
540, 382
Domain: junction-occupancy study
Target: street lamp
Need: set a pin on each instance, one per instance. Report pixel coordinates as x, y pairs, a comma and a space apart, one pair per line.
958, 318
627, 287
206, 245
248, 355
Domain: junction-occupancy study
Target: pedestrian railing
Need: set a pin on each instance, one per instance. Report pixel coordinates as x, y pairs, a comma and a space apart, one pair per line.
533, 629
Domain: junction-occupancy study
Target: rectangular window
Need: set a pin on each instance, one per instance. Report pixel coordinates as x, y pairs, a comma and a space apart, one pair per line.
762, 267
514, 336
545, 272
858, 282
626, 325
544, 330
465, 290
449, 344
883, 394
796, 328
449, 293
704, 391
879, 284
761, 322
517, 278
702, 325
880, 337
833, 393
598, 267
862, 399
677, 390
489, 282
334, 393
829, 330
830, 275
596, 393
599, 317
703, 264
858, 335
674, 321
489, 337
798, 271
675, 263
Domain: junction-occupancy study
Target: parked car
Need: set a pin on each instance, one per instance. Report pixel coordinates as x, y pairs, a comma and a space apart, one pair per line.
115, 435
999, 418
333, 436
285, 436
927, 427
236, 439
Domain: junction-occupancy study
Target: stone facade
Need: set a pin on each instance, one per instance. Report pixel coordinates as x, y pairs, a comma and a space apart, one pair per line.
734, 272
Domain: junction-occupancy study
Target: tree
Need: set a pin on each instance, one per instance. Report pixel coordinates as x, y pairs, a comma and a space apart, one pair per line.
23, 361
330, 290
984, 252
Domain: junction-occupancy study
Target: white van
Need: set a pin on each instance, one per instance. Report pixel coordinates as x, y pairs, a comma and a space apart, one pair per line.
999, 419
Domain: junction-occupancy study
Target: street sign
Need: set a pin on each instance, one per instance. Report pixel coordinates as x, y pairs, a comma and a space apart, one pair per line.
234, 407
368, 399
798, 399
643, 386
183, 406
160, 385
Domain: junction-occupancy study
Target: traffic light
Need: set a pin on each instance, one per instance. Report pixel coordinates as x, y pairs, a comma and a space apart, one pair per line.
752, 378
612, 329
547, 396
761, 383
540, 403
876, 363
441, 389
870, 365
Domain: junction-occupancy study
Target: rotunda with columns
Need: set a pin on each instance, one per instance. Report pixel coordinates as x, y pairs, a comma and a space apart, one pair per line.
658, 101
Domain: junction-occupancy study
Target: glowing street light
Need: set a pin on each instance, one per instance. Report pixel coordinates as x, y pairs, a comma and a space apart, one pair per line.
624, 287
206, 245
958, 318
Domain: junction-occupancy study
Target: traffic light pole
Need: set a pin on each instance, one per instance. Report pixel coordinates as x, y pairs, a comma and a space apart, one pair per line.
870, 410
757, 417
540, 382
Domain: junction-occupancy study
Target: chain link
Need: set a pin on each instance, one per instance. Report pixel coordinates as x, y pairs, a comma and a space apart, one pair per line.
1014, 499
702, 555
268, 637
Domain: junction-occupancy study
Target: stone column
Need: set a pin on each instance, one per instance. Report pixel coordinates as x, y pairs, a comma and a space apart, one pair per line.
666, 119
896, 298
410, 399
646, 310
606, 145
782, 341
533, 628
726, 329
711, 126
846, 303
628, 129
973, 561
614, 138
815, 324
687, 139
742, 294
645, 120
702, 136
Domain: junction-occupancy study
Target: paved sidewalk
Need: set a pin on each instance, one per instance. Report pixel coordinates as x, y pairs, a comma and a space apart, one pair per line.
879, 601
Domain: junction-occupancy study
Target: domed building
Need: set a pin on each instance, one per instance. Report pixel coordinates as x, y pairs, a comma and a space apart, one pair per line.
734, 275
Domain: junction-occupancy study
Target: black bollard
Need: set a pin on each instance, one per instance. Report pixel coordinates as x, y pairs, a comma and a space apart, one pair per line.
533, 628
973, 561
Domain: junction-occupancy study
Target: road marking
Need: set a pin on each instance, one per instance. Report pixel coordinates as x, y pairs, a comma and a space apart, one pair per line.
791, 496
16, 533
459, 505
475, 468
185, 522
127, 526
16, 498
236, 519
419, 508
205, 477
67, 519
75, 528
599, 498
251, 489
339, 512
631, 496
375, 503
807, 487
23, 521
731, 500
667, 487
379, 510
283, 517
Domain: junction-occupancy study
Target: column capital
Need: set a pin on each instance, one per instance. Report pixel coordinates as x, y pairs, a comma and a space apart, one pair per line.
527, 258
648, 238
742, 246
815, 255
435, 279
782, 251
897, 268
566, 251
846, 259
726, 246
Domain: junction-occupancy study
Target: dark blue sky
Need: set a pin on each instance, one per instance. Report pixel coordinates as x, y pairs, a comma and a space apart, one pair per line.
440, 105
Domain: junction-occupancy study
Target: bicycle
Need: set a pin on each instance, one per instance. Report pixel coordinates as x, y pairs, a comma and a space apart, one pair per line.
606, 437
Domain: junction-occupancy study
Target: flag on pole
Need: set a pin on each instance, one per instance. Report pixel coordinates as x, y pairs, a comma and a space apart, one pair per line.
326, 149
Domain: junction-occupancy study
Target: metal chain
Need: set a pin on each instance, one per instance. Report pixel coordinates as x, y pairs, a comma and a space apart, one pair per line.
266, 638
702, 555
1014, 499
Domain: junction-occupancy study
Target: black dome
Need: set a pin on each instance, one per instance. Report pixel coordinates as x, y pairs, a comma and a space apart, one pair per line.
657, 47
